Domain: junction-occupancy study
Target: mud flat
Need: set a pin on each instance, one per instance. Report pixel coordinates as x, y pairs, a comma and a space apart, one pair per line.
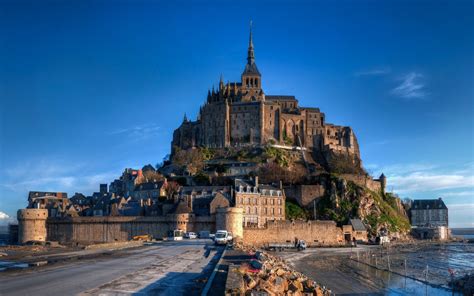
366, 270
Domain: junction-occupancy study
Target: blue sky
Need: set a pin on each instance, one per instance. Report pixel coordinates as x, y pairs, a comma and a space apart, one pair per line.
88, 88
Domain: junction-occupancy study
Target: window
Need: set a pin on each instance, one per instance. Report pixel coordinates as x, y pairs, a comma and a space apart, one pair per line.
273, 201
279, 211
265, 210
273, 211
279, 201
256, 81
248, 210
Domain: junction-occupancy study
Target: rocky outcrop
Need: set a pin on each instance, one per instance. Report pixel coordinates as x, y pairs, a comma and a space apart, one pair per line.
345, 199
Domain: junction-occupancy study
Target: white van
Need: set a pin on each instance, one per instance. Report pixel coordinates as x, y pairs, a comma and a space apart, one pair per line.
222, 237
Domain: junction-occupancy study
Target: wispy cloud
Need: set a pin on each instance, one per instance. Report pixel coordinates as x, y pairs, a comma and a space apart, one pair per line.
374, 72
420, 177
54, 176
428, 181
412, 87
138, 132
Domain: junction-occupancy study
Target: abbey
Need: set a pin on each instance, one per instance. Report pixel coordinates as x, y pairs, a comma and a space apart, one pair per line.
240, 114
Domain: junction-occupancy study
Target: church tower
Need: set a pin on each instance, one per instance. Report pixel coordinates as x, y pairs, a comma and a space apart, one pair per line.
251, 78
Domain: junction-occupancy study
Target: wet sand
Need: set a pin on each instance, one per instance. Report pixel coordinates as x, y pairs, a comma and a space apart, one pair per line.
339, 269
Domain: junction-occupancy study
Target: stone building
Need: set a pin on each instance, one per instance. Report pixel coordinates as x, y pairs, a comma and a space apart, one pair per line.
54, 202
241, 114
150, 190
429, 219
260, 203
429, 212
359, 230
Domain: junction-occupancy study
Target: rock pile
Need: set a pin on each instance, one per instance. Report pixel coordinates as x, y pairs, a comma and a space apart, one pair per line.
265, 274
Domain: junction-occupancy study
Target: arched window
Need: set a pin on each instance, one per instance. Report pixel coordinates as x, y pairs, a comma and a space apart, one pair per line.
256, 82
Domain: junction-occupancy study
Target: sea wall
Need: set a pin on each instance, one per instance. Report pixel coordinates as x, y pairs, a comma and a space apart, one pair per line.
315, 233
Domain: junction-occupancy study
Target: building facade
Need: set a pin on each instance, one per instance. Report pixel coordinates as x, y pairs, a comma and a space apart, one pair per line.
429, 212
260, 203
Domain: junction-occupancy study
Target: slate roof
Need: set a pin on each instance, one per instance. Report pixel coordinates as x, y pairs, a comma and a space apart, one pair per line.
186, 190
422, 204
357, 225
251, 68
280, 98
149, 186
201, 206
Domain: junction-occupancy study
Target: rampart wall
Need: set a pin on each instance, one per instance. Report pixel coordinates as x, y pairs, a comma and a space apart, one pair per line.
362, 180
315, 233
305, 194
110, 229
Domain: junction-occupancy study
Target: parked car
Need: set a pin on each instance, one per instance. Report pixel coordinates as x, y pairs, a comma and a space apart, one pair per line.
222, 237
204, 234
190, 235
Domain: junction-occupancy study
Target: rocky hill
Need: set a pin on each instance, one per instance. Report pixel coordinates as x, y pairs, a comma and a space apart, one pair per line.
345, 199
348, 190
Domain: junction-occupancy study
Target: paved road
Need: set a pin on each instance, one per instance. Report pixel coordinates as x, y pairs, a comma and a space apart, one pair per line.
168, 268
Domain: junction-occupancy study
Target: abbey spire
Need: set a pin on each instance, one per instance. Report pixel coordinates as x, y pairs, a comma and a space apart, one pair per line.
250, 52
251, 75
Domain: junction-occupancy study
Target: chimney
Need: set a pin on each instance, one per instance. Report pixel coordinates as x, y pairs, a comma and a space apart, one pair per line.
281, 184
256, 181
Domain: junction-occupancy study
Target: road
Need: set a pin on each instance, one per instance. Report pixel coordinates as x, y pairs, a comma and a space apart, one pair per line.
166, 268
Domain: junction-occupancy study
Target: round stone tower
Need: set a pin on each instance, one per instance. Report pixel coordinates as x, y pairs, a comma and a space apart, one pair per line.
230, 219
32, 225
383, 183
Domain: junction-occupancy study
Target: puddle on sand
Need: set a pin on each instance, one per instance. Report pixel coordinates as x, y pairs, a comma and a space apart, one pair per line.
394, 284
11, 265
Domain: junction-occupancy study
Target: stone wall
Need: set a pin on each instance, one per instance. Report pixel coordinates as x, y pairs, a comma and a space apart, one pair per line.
363, 180
315, 233
110, 229
305, 194
230, 219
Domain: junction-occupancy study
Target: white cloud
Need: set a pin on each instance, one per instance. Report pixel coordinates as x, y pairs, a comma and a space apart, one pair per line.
427, 181
5, 219
374, 72
411, 87
3, 216
421, 177
459, 194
